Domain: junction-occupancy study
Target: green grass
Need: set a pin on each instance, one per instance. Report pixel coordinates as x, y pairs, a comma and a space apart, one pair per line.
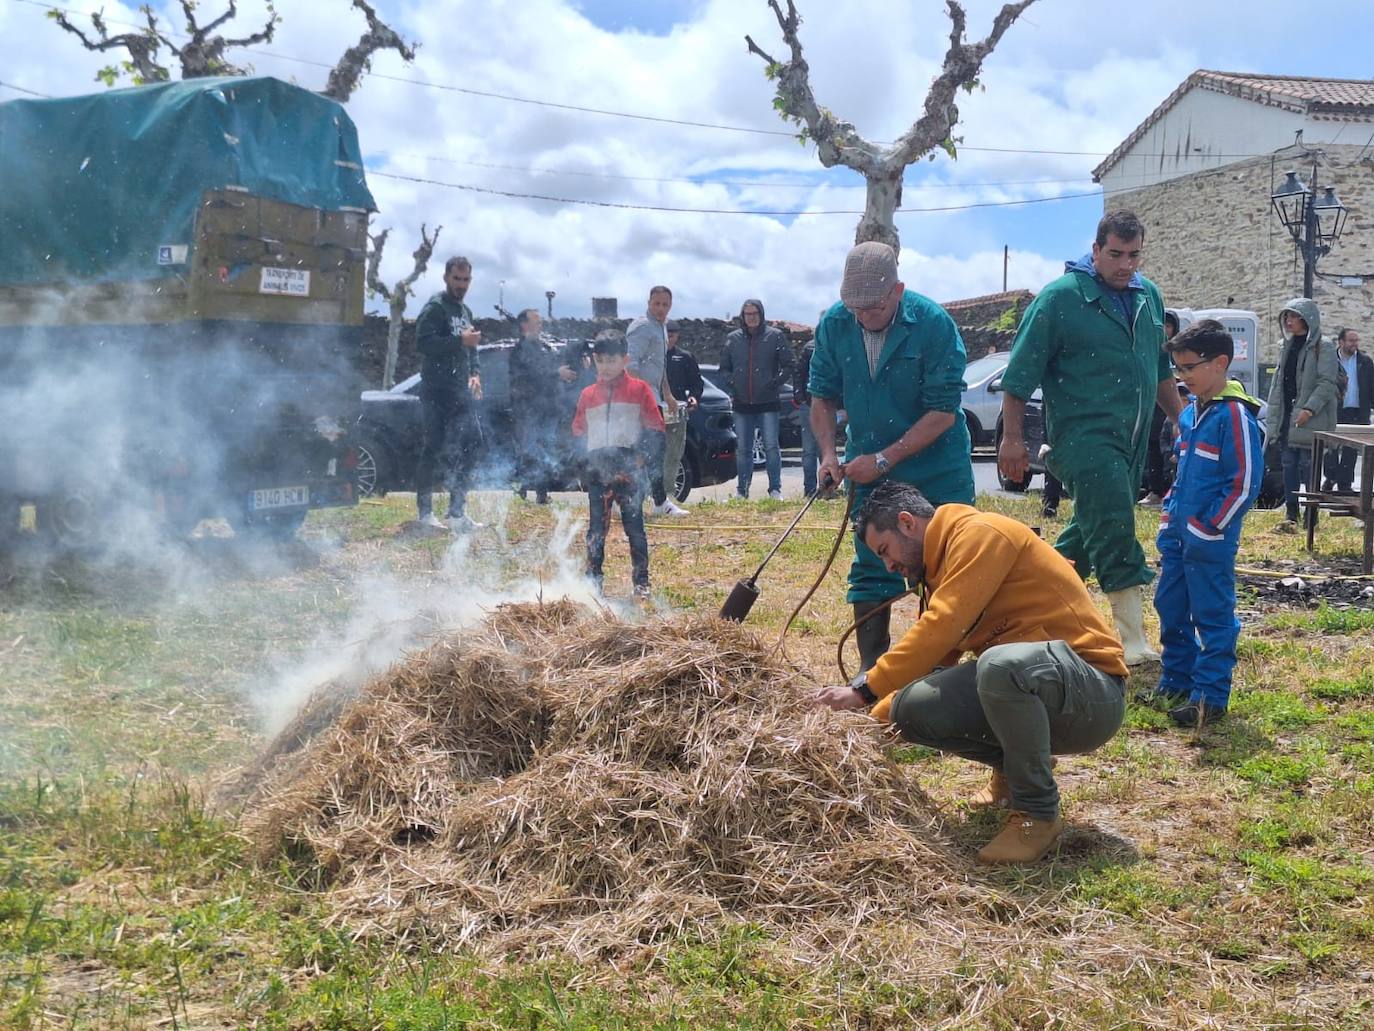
1224, 877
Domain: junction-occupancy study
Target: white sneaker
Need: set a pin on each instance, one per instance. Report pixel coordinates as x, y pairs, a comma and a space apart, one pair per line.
432, 521
463, 523
776, 495
670, 508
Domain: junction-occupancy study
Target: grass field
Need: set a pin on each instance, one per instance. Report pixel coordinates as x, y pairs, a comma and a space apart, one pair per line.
1216, 880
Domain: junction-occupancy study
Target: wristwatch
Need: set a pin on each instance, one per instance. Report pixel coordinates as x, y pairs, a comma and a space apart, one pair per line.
859, 685
880, 460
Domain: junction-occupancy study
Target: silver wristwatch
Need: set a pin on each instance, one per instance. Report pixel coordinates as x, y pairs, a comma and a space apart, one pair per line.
880, 460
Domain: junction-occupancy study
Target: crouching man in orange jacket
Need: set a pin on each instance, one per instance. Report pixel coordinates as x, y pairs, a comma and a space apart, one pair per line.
1048, 677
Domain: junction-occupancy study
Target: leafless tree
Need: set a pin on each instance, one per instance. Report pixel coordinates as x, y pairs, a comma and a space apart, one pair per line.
202, 50
357, 59
838, 143
397, 296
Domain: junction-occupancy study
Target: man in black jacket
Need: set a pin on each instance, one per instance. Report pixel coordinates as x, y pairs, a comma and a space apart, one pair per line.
1354, 403
450, 387
536, 370
684, 380
756, 362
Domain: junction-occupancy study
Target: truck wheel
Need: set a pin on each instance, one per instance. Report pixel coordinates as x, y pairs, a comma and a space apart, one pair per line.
275, 526
1015, 486
373, 471
70, 521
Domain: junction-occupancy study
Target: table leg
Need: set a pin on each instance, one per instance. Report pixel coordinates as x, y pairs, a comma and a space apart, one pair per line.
1310, 516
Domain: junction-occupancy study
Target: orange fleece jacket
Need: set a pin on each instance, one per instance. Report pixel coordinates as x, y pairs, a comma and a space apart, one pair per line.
992, 581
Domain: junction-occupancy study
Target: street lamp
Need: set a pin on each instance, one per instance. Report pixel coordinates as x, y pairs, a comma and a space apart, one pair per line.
1315, 224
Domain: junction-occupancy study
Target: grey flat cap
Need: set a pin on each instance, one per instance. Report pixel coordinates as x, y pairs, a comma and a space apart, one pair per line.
869, 272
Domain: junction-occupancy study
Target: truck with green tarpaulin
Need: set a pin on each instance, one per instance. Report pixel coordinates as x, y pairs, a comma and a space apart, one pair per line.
181, 307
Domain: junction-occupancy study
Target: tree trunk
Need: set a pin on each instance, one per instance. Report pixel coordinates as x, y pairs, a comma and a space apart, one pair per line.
393, 338
884, 198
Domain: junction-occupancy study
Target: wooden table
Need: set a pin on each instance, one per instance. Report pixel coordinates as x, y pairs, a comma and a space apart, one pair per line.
1356, 504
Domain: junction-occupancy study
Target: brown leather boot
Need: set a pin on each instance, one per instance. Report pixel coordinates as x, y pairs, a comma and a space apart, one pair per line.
1023, 840
997, 793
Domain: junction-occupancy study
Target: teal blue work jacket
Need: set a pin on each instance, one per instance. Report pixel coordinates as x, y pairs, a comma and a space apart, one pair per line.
1098, 373
921, 370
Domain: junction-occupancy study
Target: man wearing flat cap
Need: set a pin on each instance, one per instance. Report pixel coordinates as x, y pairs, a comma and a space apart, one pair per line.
894, 361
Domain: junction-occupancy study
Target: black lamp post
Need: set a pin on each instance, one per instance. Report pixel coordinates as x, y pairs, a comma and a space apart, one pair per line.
1315, 223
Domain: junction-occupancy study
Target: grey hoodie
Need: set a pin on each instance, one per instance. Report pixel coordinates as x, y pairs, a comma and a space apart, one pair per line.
1317, 366
754, 366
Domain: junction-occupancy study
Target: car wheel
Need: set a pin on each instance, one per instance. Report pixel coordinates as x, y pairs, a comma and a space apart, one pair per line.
372, 474
1015, 486
687, 477
760, 456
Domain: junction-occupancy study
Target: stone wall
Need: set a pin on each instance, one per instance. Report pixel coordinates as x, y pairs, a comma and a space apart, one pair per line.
1212, 241
982, 322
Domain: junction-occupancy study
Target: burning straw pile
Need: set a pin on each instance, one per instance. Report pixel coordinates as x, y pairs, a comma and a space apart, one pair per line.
557, 779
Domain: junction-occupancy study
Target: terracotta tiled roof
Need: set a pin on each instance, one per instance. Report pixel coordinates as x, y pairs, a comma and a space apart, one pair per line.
1332, 98
970, 302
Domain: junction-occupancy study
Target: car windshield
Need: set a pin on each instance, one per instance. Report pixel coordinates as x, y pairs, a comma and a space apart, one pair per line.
976, 372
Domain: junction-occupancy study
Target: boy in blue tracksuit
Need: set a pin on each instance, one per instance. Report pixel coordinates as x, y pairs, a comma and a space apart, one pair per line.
1220, 465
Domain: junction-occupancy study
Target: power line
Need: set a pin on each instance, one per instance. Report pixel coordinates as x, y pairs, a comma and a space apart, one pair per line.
714, 211
21, 89
783, 184
556, 105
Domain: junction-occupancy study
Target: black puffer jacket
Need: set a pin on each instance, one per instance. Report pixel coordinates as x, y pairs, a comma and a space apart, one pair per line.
754, 365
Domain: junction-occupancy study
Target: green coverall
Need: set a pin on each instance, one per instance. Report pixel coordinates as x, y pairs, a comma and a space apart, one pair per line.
920, 370
1099, 374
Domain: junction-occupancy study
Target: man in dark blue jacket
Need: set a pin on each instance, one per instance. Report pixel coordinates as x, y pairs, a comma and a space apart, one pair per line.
450, 387
755, 363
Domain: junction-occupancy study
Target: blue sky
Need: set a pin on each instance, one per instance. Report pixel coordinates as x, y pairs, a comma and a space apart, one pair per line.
1071, 75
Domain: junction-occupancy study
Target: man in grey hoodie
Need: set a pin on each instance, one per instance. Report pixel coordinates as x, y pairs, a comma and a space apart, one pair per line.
1302, 398
756, 361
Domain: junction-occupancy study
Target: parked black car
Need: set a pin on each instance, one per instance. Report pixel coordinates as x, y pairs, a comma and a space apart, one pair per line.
388, 435
789, 420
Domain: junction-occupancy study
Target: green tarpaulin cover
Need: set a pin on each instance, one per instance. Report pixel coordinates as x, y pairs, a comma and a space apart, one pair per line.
98, 187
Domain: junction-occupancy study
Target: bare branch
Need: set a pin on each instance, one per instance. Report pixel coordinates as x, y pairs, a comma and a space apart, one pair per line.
421, 254
962, 65
203, 54
374, 260
837, 142
357, 59
142, 47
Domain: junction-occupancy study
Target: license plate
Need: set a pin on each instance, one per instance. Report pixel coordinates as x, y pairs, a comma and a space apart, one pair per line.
280, 497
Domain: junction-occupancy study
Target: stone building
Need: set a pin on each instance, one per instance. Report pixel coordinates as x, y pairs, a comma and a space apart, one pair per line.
1199, 172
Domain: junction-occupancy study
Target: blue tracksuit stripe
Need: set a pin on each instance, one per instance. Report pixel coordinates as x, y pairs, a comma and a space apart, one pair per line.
1218, 479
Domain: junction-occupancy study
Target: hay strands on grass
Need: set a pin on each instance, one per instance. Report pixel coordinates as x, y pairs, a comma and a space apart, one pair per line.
556, 780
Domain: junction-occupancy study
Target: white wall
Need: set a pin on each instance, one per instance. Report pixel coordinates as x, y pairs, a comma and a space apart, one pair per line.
1206, 130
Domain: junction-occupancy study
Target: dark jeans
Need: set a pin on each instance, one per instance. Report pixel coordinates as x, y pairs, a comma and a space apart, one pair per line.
1297, 471
1053, 493
1338, 465
767, 425
1156, 482
1011, 709
451, 436
541, 454
811, 452
630, 497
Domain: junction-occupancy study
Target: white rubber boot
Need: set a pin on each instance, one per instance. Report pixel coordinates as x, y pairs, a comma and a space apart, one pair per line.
1130, 625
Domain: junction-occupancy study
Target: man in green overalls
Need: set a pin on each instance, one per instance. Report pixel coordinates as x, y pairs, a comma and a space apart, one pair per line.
1092, 341
894, 361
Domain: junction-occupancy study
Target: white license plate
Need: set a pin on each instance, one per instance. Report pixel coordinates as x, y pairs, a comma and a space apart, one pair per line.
280, 497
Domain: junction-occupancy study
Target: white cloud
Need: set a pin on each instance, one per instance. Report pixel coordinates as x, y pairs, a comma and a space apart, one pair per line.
1069, 76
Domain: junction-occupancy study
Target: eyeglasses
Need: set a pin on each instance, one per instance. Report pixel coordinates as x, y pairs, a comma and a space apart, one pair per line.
1189, 366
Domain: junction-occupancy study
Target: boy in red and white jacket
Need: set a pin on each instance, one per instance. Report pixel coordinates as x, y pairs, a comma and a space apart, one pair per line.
618, 418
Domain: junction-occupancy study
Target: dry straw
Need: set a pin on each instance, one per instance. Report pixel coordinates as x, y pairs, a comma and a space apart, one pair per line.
557, 780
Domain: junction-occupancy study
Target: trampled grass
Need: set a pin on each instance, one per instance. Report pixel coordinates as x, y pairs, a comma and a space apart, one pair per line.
1220, 880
